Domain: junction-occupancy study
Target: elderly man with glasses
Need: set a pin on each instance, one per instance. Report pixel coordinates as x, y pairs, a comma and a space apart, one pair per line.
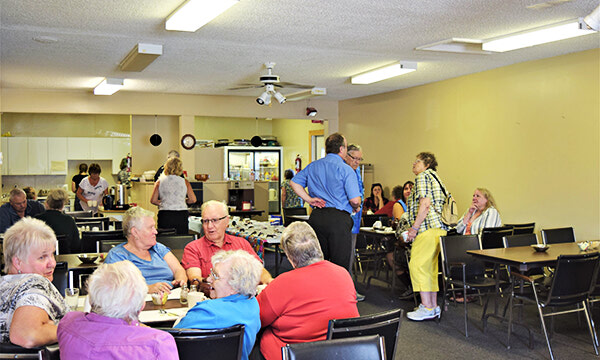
197, 254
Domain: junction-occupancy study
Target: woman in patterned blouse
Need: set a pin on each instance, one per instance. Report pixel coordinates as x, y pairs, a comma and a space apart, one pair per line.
30, 306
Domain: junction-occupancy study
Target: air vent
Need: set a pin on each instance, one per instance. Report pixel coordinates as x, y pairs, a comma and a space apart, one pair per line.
456, 45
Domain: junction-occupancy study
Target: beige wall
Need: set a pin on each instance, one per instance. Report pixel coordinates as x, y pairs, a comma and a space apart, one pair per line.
145, 156
66, 125
218, 127
529, 132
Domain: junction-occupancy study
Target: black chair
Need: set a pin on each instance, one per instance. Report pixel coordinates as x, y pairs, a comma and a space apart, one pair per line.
386, 324
519, 240
292, 211
170, 231
463, 272
558, 235
100, 222
61, 276
571, 285
363, 348
106, 245
11, 351
491, 238
526, 228
369, 220
209, 344
175, 241
80, 214
62, 246
90, 239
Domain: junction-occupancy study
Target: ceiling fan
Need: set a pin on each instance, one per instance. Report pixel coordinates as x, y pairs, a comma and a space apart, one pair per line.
271, 82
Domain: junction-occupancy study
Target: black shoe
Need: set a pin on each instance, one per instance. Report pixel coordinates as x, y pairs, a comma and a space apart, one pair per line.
360, 297
408, 293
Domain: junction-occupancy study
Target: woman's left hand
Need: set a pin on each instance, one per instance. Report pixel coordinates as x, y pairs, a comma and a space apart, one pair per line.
412, 234
159, 287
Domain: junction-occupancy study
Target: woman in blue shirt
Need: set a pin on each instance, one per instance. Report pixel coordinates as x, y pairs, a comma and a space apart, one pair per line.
158, 265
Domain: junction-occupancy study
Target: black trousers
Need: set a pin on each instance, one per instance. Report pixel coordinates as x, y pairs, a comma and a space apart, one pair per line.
334, 230
172, 219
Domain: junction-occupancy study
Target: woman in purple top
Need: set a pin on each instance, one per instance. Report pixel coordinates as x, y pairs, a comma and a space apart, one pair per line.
112, 330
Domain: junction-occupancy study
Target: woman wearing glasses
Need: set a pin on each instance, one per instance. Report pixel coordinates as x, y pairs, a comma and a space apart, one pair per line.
197, 254
233, 281
158, 265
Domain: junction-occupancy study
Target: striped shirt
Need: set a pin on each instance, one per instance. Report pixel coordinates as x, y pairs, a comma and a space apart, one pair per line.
489, 218
426, 186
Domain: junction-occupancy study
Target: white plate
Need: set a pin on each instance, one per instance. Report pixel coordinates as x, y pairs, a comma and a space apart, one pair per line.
155, 315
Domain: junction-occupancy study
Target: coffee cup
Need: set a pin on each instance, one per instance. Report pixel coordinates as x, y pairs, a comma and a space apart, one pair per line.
194, 297
405, 236
90, 203
377, 224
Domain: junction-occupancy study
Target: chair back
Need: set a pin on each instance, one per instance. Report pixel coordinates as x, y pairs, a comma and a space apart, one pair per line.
519, 240
369, 220
491, 238
106, 245
526, 228
89, 239
363, 347
61, 277
100, 222
209, 344
80, 214
454, 250
62, 246
12, 351
574, 279
386, 324
175, 241
170, 231
558, 235
292, 211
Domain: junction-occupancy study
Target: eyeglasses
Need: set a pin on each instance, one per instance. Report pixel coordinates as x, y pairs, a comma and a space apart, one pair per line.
355, 158
212, 221
214, 276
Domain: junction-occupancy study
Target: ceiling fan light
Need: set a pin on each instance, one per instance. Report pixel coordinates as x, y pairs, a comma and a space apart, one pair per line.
193, 14
280, 97
264, 99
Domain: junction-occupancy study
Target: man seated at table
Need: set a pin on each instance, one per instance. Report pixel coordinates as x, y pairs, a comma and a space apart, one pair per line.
297, 305
17, 208
198, 253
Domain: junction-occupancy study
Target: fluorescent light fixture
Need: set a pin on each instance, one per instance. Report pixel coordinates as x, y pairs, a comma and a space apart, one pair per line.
193, 14
108, 86
541, 35
305, 94
140, 57
385, 72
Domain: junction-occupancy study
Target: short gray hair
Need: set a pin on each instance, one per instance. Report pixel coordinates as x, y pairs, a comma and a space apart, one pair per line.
301, 244
354, 147
117, 290
25, 235
244, 270
172, 154
17, 192
215, 203
133, 219
57, 199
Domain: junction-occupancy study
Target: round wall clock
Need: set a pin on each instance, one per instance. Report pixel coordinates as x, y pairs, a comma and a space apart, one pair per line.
188, 141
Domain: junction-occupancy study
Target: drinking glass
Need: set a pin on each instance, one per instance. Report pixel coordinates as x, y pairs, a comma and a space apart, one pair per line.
72, 297
160, 299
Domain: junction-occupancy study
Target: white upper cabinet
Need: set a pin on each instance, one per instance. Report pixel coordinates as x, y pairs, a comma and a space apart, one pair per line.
101, 148
4, 156
120, 148
18, 155
57, 156
78, 148
37, 156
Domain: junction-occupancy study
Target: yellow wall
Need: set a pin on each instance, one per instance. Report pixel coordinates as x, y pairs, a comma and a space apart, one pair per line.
293, 134
144, 155
529, 132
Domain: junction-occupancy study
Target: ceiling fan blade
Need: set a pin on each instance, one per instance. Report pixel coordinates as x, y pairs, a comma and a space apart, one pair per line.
294, 85
246, 86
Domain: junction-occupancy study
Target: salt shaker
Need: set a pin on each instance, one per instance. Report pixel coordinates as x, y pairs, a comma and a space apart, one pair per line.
184, 294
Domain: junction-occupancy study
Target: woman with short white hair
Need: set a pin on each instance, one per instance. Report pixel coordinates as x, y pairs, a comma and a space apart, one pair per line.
111, 329
158, 265
233, 280
30, 305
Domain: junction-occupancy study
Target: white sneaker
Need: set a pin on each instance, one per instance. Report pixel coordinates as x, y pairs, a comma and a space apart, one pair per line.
422, 313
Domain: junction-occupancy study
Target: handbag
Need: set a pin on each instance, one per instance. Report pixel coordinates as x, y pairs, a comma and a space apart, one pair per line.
449, 208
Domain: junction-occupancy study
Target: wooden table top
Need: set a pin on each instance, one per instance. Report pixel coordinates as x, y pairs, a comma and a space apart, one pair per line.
75, 263
525, 257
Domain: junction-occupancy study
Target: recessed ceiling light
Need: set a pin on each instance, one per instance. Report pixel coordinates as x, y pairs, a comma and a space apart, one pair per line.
384, 72
45, 39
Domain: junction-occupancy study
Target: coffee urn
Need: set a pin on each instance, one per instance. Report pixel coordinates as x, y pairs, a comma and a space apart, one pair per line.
121, 197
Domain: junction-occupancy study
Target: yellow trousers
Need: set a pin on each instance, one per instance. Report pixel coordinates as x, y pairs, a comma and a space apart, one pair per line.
423, 264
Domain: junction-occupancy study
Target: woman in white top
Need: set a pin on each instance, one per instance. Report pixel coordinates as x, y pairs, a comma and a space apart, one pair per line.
92, 188
481, 214
169, 195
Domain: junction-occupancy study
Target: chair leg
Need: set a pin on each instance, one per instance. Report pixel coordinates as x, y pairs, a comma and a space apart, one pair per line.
465, 307
545, 330
510, 315
588, 317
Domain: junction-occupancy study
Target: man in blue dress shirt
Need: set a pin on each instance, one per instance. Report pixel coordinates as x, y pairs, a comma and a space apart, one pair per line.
334, 194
